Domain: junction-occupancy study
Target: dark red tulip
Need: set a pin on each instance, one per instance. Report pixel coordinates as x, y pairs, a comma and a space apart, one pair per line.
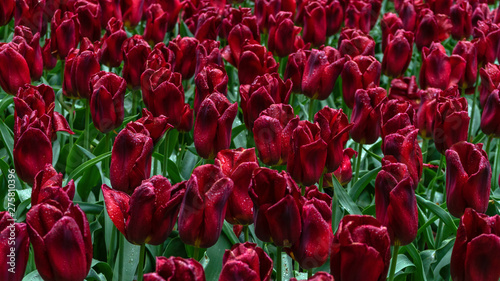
156, 126
210, 79
131, 12
321, 71
149, 214
187, 118
263, 10
89, 15
440, 70
172, 9
395, 115
491, 114
486, 37
307, 153
334, 17
405, 89
107, 101
81, 64
135, 53
295, 68
409, 14
460, 15
277, 203
283, 35
160, 56
163, 94
440, 6
156, 24
6, 12
360, 250
246, 261
451, 123
235, 16
468, 51
354, 42
64, 33
335, 132
357, 15
48, 186
184, 50
176, 269
318, 276
49, 61
62, 241
240, 35
468, 178
480, 12
396, 203
110, 9
18, 72
390, 23
361, 72
131, 158
431, 28
208, 52
344, 172
30, 13
238, 165
474, 252
490, 80
213, 125
15, 247
204, 206
398, 53
272, 132
314, 23
427, 110
110, 51
366, 115
205, 24
29, 47
257, 61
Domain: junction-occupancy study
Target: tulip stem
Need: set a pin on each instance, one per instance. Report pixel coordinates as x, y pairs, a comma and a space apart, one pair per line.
245, 232
134, 103
311, 109
438, 173
196, 253
309, 273
71, 121
140, 267
121, 242
107, 146
394, 261
488, 143
320, 183
165, 156
495, 164
358, 163
279, 276
473, 112
87, 120
111, 252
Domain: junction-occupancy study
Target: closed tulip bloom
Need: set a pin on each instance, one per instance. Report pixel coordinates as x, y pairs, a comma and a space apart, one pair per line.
361, 72
395, 115
239, 35
295, 68
110, 52
107, 101
427, 111
265, 91
160, 56
131, 158
440, 70
6, 11
110, 9
408, 14
366, 115
321, 71
149, 214
468, 178
235, 16
211, 78
48, 186
451, 123
480, 12
246, 261
89, 13
187, 118
272, 132
30, 13
396, 203
176, 269
335, 128
390, 24
208, 52
163, 94
314, 23
184, 50
81, 64
486, 35
490, 80
334, 17
156, 126
62, 241
460, 15
397, 55
277, 204
256, 61
440, 6
431, 28
474, 252
49, 61
16, 253
132, 12
357, 15
64, 34
307, 153
405, 89
29, 47
283, 34
238, 165
135, 53
354, 42
212, 129
468, 51
205, 23
204, 207
491, 115
156, 27
18, 72
263, 10
344, 172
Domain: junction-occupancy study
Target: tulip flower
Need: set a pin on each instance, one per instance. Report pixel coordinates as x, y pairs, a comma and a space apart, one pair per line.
89, 13
397, 54
395, 115
149, 214
357, 15
460, 15
490, 80
474, 251
238, 165
361, 72
360, 249
184, 50
107, 101
212, 129
439, 70
265, 91
204, 206
186, 124
440, 6
172, 9
451, 123
135, 53
257, 61
468, 51
334, 17
81, 64
30, 13
354, 42
480, 12
15, 247
176, 269
321, 71
48, 186
239, 35
205, 24
18, 72
211, 78
246, 260
276, 213
49, 61
395, 202
409, 14
160, 56
314, 23
156, 27
263, 11
110, 51
344, 172
284, 36
235, 16
156, 126
405, 89
307, 153
29, 47
110, 9
390, 24
318, 276
6, 11
208, 52
132, 12
163, 94
427, 110
131, 158
490, 115
64, 33
295, 68
272, 131
431, 28
486, 35
366, 115
468, 178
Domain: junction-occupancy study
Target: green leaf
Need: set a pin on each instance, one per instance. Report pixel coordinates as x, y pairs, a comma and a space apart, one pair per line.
129, 263
360, 185
184, 30
7, 138
175, 248
33, 276
6, 101
79, 171
417, 261
438, 211
215, 253
90, 208
173, 172
403, 262
344, 199
102, 267
228, 231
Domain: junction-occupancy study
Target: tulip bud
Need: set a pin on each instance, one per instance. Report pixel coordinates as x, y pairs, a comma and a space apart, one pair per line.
239, 35
15, 247
107, 101
451, 123
357, 15
49, 61
246, 260
486, 36
110, 52
431, 28
205, 24
355, 43
405, 89
468, 178
156, 24
256, 61
64, 33
18, 72
398, 53
295, 68
30, 13
6, 12
184, 50
490, 80
235, 16
89, 13
211, 78
48, 186
263, 10
440, 6
110, 9
408, 12
204, 206
360, 249
29, 48
135, 53
283, 35
156, 126
395, 115
460, 15
314, 23
176, 269
439, 70
366, 115
362, 72
208, 52
390, 24
132, 12
468, 51
81, 64
344, 172
334, 17
161, 56
186, 124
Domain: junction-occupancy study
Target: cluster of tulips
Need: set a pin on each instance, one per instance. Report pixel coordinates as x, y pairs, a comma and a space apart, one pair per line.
301, 79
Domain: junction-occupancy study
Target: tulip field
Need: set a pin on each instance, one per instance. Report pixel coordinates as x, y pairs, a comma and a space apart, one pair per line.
249, 140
